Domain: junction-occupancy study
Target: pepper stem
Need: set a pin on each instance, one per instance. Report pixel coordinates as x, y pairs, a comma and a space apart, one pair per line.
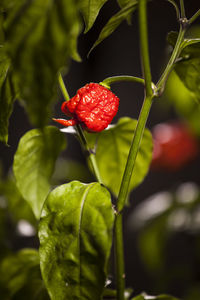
119, 251
110, 80
80, 133
63, 87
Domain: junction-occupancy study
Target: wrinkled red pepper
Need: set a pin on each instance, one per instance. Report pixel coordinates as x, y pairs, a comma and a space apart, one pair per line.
94, 107
174, 146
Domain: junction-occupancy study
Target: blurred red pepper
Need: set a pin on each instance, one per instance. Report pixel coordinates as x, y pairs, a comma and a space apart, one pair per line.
174, 146
94, 107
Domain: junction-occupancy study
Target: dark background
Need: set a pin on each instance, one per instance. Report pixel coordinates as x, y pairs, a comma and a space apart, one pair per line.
118, 55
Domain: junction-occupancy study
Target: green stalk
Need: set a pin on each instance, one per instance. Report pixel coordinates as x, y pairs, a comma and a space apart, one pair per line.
81, 134
119, 254
161, 83
119, 257
91, 155
194, 17
119, 251
144, 111
182, 6
63, 87
108, 81
176, 8
144, 48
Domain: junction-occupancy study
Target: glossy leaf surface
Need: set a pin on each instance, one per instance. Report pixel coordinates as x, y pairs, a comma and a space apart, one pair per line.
124, 3
183, 102
75, 236
188, 67
22, 277
41, 38
34, 164
90, 10
7, 95
115, 21
112, 148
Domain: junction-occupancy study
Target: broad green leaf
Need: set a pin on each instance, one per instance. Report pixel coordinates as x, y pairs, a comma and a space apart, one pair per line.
21, 278
75, 240
34, 164
7, 95
144, 296
190, 46
90, 10
41, 38
115, 21
189, 72
112, 148
188, 67
184, 102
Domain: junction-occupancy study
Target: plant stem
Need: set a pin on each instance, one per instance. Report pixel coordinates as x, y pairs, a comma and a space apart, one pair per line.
144, 48
108, 81
81, 134
63, 87
144, 111
91, 155
119, 257
176, 8
182, 6
119, 254
194, 17
161, 83
119, 251
133, 153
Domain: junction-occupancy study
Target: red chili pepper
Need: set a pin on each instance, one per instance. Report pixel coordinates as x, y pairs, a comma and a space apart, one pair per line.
94, 107
174, 146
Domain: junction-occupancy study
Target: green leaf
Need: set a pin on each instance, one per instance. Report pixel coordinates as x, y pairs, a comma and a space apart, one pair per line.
124, 3
189, 72
112, 148
41, 38
76, 235
183, 101
189, 47
144, 296
115, 21
34, 164
7, 95
22, 277
90, 10
188, 65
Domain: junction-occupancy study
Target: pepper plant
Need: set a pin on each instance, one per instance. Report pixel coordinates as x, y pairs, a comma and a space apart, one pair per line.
77, 223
